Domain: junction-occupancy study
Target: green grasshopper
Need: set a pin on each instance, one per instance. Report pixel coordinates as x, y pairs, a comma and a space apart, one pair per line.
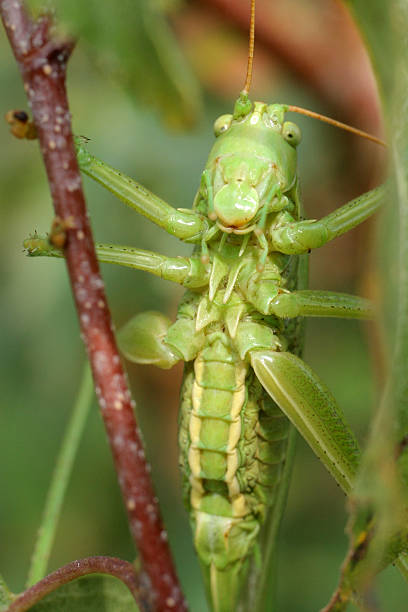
239, 330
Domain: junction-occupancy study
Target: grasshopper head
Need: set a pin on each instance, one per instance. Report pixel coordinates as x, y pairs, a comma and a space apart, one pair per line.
252, 161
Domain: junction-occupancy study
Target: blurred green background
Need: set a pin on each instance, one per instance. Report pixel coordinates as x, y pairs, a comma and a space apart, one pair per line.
41, 353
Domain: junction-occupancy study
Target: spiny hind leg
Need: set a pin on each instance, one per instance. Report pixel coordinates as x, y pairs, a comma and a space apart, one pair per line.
308, 403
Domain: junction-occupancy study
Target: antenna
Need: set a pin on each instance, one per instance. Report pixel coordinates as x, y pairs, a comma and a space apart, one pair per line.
248, 79
339, 124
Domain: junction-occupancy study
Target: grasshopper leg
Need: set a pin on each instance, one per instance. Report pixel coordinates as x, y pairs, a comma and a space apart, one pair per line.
310, 303
151, 338
301, 236
184, 224
186, 271
307, 402
142, 340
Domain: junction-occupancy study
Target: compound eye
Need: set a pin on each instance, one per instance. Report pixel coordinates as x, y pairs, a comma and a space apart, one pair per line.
291, 133
222, 124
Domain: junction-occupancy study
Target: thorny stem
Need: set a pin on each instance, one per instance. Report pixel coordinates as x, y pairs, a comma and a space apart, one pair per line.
92, 565
42, 61
60, 479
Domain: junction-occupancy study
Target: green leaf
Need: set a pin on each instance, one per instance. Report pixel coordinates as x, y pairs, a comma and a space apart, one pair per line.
379, 500
96, 593
384, 26
133, 43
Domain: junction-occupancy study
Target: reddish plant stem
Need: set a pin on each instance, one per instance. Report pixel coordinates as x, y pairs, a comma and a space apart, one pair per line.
92, 565
42, 61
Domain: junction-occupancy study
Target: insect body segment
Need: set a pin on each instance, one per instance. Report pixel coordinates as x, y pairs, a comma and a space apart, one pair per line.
240, 188
232, 435
232, 460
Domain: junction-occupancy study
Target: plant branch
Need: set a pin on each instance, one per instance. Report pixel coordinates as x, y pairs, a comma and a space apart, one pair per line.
42, 61
83, 567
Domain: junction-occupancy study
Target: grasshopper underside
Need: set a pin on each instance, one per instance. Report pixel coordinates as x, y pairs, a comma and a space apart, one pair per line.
239, 331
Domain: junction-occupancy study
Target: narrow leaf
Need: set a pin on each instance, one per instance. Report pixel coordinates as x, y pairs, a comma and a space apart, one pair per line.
60, 479
379, 500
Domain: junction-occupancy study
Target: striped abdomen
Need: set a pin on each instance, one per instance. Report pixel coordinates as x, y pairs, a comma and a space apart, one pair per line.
233, 442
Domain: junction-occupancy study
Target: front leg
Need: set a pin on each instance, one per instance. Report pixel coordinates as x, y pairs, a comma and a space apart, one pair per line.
184, 224
301, 236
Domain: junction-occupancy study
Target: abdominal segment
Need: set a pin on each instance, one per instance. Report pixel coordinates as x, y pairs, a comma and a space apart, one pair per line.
233, 442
